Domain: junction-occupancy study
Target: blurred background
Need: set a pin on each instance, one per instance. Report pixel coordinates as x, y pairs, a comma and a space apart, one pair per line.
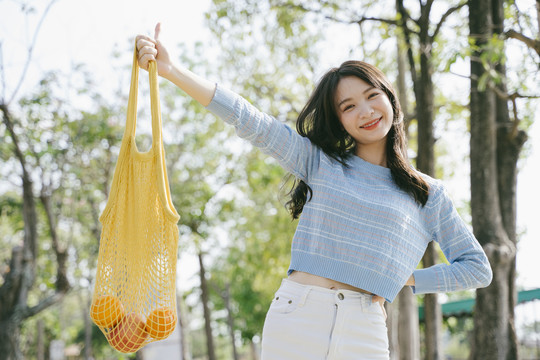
65, 68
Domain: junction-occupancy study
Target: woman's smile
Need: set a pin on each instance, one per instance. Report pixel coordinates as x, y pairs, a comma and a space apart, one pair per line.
372, 124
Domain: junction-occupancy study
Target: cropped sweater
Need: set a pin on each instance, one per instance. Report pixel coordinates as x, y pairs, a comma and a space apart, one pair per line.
359, 228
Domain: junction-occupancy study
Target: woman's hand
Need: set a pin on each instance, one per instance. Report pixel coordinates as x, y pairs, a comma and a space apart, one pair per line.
380, 300
152, 49
195, 86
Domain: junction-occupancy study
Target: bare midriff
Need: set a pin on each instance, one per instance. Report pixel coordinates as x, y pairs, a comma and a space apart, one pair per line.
310, 279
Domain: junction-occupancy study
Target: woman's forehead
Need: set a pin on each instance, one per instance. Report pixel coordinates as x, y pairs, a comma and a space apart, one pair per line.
351, 86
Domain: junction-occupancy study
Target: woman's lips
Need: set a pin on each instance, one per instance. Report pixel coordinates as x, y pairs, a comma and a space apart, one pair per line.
371, 125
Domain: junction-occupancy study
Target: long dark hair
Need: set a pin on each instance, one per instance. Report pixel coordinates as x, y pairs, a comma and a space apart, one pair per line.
319, 122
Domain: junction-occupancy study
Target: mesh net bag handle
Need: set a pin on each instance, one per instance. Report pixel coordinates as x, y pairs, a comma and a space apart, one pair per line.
134, 299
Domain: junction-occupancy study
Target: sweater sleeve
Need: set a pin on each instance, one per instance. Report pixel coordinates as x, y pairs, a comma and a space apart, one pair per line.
469, 267
295, 153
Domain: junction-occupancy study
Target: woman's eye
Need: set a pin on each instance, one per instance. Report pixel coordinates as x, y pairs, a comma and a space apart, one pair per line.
348, 107
372, 95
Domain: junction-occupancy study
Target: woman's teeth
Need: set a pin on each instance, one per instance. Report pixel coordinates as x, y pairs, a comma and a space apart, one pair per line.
371, 123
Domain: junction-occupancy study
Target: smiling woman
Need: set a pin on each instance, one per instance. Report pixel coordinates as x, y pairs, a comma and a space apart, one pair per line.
367, 115
368, 219
342, 118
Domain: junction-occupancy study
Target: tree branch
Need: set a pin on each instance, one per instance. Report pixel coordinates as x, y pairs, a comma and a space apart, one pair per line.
6, 115
445, 16
387, 21
43, 304
30, 51
3, 74
504, 96
336, 19
62, 282
530, 43
407, 34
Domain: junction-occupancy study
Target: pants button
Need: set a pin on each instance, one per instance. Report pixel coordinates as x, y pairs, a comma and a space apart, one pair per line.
341, 296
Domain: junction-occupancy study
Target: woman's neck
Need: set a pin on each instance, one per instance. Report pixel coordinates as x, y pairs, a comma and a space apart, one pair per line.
373, 153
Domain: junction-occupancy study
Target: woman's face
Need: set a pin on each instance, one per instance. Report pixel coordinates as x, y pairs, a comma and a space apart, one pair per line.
364, 111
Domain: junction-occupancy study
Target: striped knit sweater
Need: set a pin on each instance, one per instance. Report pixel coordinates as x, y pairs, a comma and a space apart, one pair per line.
359, 228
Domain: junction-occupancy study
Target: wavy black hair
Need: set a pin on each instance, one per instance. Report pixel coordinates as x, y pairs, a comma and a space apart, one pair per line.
319, 122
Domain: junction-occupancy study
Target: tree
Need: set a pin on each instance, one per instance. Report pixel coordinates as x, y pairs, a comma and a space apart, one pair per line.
54, 145
201, 164
496, 143
258, 255
21, 276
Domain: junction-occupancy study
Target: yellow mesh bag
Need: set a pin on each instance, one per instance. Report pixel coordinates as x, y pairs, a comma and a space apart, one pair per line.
134, 300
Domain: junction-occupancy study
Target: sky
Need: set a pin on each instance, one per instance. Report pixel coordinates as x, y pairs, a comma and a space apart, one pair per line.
81, 31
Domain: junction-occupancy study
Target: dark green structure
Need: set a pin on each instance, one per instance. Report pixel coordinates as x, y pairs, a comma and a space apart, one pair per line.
464, 307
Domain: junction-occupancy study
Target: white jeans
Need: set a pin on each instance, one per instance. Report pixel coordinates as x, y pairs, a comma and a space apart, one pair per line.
316, 323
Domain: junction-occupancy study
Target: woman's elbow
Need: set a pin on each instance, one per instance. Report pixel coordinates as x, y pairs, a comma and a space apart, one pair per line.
487, 276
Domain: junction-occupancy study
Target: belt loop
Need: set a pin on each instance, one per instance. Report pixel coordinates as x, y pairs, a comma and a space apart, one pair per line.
304, 296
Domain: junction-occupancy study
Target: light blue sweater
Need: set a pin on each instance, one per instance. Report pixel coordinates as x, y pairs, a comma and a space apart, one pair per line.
359, 228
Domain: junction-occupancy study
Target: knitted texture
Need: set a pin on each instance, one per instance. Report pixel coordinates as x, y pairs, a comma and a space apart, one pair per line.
359, 228
134, 299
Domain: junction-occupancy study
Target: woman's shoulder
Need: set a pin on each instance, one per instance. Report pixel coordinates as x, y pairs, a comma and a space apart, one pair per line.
437, 190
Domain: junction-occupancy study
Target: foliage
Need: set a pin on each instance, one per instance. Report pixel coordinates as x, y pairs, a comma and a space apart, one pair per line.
225, 191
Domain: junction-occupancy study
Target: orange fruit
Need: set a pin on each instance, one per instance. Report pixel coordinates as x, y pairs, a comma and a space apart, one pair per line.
129, 335
161, 323
106, 311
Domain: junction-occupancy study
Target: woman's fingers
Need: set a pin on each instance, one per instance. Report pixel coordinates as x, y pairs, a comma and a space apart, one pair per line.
147, 51
380, 300
145, 59
142, 40
151, 49
157, 31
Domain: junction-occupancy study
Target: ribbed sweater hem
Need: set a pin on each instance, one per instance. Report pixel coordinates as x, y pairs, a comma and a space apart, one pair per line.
346, 273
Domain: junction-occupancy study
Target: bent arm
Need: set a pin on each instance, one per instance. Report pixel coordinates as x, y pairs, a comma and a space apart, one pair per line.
468, 266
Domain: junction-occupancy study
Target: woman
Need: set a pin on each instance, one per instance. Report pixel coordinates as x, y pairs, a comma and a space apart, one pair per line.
367, 215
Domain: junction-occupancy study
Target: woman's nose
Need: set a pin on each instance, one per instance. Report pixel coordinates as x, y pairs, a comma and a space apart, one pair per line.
365, 111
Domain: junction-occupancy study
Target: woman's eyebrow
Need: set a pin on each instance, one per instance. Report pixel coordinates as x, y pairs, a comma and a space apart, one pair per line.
343, 101
347, 99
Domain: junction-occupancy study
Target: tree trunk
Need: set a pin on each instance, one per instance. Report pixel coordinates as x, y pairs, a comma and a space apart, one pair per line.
408, 330
230, 319
86, 299
10, 335
510, 141
255, 351
432, 312
425, 162
206, 310
392, 322
40, 343
494, 335
22, 271
182, 324
404, 337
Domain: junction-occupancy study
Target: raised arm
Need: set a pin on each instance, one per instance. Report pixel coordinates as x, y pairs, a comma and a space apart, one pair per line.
195, 86
295, 153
